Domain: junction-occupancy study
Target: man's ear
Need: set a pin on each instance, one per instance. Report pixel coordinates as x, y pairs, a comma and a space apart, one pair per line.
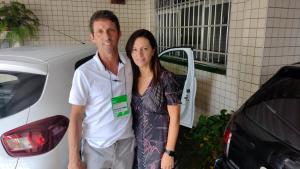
120, 34
91, 37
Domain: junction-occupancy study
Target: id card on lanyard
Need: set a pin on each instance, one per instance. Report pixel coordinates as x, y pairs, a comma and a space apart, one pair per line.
119, 106
119, 103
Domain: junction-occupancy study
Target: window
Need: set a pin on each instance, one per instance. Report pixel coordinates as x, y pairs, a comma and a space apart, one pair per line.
18, 91
201, 24
275, 108
82, 61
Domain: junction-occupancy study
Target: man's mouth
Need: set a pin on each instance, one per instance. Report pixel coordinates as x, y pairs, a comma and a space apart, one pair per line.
108, 42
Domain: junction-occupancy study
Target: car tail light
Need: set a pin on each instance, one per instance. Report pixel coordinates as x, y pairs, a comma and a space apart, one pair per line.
227, 138
227, 135
35, 138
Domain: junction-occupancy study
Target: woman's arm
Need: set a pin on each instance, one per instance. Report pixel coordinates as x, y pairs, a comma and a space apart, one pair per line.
174, 113
167, 162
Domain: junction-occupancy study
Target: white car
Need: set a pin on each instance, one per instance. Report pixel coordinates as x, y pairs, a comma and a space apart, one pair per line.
34, 109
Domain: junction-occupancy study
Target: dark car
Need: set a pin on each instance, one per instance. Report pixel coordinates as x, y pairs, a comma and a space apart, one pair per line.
265, 131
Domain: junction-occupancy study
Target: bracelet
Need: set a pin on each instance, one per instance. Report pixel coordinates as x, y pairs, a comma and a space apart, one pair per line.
170, 152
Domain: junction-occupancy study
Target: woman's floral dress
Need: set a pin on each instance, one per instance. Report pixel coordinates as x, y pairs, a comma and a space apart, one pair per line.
151, 120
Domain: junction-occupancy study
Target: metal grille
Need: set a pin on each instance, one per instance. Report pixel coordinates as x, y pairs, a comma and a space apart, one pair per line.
201, 24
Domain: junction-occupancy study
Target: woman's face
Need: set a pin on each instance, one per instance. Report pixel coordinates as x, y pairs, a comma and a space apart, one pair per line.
142, 52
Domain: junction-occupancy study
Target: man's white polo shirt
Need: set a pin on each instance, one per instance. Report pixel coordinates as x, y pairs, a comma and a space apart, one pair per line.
93, 87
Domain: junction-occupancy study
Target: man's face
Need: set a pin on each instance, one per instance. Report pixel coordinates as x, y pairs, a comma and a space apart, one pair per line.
106, 35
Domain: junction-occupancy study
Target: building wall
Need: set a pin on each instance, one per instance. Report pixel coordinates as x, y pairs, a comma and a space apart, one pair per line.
62, 21
263, 36
282, 37
246, 45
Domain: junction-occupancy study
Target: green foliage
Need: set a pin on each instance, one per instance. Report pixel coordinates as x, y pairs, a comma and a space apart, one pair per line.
208, 136
20, 22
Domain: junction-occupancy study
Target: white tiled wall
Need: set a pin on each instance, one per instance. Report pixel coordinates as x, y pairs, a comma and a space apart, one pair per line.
246, 45
282, 43
246, 49
62, 21
264, 35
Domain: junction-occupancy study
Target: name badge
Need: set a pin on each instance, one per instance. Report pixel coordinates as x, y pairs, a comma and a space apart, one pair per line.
120, 106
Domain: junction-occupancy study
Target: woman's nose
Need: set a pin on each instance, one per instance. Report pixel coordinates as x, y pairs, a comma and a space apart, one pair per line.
140, 52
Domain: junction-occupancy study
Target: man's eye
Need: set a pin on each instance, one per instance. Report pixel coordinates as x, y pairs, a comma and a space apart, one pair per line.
112, 30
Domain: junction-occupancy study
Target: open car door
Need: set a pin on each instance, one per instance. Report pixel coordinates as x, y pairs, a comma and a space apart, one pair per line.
187, 81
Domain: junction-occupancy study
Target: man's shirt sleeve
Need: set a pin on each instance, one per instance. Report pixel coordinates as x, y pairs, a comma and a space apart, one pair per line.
80, 89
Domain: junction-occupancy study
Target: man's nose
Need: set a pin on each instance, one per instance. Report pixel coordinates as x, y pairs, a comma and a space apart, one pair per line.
106, 34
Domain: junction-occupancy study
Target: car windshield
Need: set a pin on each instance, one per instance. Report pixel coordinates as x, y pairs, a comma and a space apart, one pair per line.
19, 91
278, 110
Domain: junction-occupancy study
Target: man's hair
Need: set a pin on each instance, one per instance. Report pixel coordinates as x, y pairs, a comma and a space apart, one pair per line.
104, 14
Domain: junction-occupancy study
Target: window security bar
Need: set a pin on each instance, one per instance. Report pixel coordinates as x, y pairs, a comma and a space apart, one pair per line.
201, 24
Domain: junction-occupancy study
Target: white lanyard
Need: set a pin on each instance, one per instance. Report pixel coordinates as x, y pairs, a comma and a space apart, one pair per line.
110, 80
119, 103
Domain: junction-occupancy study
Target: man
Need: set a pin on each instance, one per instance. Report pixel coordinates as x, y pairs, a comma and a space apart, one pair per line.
100, 98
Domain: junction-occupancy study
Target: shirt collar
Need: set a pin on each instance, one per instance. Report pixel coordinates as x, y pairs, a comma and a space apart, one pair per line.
122, 60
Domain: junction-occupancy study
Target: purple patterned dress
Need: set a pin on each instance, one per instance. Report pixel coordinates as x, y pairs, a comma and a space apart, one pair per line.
151, 120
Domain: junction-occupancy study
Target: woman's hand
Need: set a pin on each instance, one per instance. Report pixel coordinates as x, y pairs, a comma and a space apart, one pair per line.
167, 162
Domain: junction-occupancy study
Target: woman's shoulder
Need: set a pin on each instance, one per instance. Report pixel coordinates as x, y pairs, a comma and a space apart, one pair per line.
165, 74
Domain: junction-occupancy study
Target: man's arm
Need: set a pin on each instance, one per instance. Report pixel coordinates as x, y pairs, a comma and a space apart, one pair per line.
74, 136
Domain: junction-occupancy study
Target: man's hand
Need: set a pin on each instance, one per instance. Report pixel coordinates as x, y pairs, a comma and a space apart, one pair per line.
167, 162
76, 165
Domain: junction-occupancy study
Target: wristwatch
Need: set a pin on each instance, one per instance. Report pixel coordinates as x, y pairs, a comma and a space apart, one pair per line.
170, 152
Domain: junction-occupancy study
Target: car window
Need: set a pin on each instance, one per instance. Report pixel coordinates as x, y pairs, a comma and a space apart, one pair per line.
278, 109
19, 91
5, 78
185, 76
82, 61
286, 87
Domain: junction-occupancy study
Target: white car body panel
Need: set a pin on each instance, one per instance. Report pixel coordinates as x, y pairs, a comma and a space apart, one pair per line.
23, 67
187, 108
58, 64
59, 70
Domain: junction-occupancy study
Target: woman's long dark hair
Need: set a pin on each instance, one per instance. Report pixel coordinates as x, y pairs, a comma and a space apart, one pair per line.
155, 65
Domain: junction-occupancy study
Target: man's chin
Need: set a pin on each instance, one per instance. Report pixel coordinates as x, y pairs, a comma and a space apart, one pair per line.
109, 49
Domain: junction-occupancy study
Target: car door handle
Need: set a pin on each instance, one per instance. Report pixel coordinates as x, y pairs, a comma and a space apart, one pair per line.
187, 96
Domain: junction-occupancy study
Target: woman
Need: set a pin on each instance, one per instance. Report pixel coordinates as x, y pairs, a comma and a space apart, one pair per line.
155, 104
